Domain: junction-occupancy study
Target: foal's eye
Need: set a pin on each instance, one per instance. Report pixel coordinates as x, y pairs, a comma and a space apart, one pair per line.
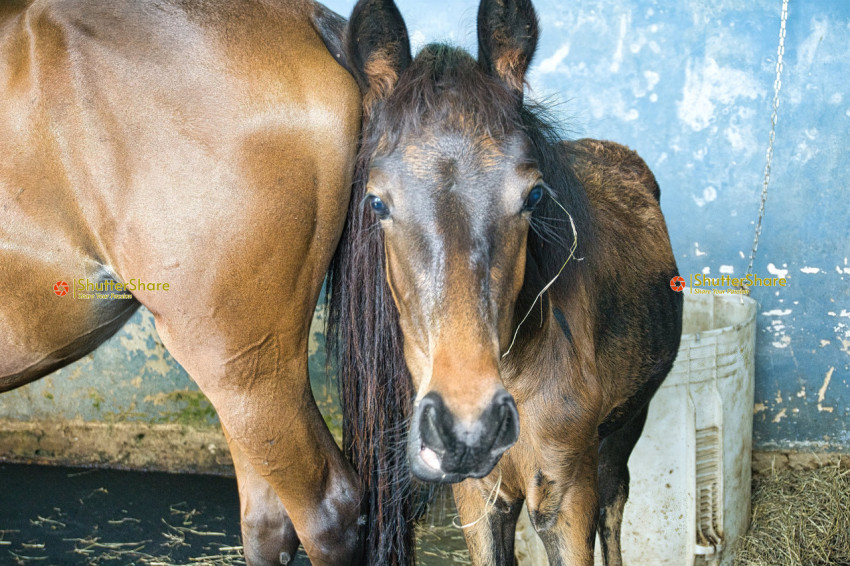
381, 210
534, 197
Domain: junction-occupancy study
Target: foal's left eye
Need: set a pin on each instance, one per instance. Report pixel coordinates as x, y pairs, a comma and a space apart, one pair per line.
379, 207
534, 197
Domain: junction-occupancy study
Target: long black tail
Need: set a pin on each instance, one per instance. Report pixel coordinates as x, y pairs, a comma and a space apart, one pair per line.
376, 392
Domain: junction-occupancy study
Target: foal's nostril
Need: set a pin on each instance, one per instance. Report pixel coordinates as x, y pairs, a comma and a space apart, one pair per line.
430, 430
507, 431
434, 422
444, 448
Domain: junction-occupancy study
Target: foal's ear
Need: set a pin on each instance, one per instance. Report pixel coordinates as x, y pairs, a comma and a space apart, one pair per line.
378, 48
507, 38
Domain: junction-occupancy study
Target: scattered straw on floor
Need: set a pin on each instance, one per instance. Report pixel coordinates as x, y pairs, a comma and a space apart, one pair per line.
800, 518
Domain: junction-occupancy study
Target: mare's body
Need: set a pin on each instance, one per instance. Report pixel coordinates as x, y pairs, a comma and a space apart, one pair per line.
209, 146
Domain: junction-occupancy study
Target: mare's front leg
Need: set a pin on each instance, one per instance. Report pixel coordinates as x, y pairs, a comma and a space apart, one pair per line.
488, 530
562, 505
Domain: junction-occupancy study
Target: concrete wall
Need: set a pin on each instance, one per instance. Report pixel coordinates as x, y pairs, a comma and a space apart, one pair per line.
687, 84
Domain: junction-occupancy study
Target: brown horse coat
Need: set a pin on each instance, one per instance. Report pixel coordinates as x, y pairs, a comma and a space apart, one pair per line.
206, 145
582, 380
521, 280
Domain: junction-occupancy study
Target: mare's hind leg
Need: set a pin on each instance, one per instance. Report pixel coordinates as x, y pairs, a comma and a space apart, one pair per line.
255, 375
268, 535
614, 455
490, 532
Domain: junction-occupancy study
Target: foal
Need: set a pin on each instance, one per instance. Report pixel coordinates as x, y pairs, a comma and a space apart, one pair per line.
531, 284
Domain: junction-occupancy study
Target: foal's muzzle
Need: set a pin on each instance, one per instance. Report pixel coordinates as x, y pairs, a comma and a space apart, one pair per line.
443, 449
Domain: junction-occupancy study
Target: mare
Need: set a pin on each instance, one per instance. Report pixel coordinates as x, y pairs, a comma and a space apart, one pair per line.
501, 307
206, 146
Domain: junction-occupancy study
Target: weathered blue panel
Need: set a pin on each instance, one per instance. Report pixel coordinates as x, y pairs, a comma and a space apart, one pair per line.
689, 85
133, 378
129, 378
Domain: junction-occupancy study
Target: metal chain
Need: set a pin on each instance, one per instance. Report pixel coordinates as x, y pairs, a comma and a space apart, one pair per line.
777, 85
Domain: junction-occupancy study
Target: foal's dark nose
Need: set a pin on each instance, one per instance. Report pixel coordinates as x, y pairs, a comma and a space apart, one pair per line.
447, 449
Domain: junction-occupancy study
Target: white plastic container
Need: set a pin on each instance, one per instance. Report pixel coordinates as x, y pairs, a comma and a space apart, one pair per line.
690, 472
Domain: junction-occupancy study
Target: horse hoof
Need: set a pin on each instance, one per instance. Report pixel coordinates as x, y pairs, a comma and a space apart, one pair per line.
285, 558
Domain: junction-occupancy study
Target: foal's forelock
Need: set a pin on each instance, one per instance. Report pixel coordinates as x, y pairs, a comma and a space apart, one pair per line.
443, 87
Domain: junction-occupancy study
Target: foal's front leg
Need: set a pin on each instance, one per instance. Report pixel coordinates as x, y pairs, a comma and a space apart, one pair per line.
488, 530
562, 506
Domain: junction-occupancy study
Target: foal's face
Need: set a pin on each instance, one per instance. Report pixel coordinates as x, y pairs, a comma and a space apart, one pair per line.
453, 193
454, 207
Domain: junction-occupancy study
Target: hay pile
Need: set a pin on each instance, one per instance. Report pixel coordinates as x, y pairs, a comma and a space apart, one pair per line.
800, 518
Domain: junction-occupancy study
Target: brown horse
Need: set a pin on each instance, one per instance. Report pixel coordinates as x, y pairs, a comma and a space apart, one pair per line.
204, 145
524, 282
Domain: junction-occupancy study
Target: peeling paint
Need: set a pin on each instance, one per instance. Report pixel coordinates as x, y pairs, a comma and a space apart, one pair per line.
810, 269
822, 391
709, 194
709, 85
625, 20
780, 415
777, 326
777, 312
417, 39
807, 50
776, 272
551, 63
826, 380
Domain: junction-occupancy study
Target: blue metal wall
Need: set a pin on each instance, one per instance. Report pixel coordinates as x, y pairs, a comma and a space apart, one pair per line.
689, 85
